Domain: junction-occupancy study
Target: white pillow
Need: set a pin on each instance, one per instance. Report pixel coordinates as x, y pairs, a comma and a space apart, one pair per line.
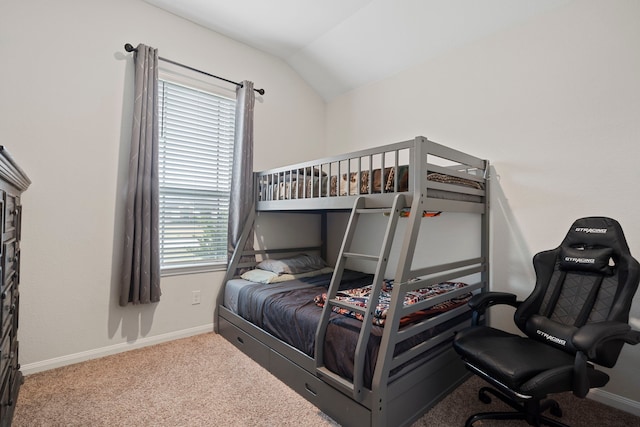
259, 276
266, 277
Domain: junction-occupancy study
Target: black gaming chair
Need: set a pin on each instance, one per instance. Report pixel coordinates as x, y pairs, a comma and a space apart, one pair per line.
576, 318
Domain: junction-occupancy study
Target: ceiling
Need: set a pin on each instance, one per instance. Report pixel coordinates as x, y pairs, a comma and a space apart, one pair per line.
339, 45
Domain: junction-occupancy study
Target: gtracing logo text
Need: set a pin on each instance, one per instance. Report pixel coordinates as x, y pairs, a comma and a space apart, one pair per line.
580, 260
591, 230
552, 338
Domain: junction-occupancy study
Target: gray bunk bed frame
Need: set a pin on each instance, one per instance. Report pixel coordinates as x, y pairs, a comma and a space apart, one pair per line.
393, 399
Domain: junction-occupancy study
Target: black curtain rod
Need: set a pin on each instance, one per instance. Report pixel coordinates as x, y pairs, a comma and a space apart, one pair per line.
129, 48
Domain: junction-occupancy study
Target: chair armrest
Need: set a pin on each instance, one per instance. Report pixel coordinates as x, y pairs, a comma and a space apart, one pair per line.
480, 302
588, 337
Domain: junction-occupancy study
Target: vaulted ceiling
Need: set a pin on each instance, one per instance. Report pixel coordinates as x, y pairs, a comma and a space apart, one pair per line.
339, 45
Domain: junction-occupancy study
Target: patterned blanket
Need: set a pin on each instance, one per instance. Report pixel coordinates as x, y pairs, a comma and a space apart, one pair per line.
360, 297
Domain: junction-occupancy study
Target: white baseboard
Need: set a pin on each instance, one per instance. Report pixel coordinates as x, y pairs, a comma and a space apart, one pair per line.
615, 401
45, 365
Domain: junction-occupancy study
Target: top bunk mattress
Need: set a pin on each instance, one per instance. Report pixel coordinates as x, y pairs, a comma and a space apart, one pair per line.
301, 186
442, 173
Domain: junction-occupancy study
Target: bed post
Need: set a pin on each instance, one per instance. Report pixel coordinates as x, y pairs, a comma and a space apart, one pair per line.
232, 266
418, 187
485, 234
418, 176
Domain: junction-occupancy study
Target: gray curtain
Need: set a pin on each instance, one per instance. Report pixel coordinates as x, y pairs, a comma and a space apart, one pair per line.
141, 263
242, 188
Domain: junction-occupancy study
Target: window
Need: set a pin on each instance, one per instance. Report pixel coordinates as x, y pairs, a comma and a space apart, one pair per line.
196, 155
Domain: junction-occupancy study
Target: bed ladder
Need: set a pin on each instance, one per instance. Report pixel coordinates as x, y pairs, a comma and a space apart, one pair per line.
359, 208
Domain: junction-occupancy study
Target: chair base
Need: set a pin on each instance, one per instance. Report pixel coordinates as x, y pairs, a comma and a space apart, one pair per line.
530, 411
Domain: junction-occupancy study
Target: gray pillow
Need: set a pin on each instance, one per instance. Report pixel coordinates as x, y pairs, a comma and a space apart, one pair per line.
298, 264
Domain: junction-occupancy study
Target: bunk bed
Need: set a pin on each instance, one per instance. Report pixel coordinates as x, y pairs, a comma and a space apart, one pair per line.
364, 348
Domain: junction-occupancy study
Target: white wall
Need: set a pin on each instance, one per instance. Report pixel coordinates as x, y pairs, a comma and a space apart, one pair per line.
554, 104
65, 102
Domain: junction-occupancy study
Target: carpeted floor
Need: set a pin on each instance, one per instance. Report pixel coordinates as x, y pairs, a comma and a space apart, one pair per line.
205, 381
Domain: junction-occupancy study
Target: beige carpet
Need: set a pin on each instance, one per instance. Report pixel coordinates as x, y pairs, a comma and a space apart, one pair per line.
205, 381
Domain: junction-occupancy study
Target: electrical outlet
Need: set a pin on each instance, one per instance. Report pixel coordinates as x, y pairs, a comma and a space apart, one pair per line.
195, 297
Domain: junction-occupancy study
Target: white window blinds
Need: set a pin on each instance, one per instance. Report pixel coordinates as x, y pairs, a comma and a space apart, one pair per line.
196, 155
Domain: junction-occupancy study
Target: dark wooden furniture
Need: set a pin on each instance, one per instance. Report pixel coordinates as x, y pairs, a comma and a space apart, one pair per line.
13, 182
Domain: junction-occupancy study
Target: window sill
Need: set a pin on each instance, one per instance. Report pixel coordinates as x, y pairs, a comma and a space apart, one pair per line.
180, 271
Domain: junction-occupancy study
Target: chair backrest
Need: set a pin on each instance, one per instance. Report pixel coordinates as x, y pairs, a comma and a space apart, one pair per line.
591, 277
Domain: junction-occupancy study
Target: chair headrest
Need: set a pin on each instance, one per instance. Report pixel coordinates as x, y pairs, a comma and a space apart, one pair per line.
591, 243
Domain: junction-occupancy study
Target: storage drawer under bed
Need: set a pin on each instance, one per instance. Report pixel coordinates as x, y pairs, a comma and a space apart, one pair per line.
245, 342
323, 396
326, 398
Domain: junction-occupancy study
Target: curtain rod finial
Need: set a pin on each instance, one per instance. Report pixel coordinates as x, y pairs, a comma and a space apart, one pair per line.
129, 48
260, 91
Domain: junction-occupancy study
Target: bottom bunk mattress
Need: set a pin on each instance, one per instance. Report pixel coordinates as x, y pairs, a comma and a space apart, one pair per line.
290, 312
